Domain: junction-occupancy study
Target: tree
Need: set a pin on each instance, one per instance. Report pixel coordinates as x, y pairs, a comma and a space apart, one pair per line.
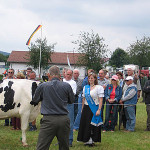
3, 58
34, 53
139, 52
119, 58
92, 50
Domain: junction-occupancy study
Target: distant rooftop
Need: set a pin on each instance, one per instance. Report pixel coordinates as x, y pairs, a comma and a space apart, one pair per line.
56, 57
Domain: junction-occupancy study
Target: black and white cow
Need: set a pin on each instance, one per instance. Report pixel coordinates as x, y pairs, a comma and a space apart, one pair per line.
15, 98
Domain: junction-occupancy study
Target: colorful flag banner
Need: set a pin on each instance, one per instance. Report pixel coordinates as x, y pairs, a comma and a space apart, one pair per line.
29, 40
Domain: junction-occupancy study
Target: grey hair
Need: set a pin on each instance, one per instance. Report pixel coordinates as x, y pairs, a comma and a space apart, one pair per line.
67, 69
54, 71
76, 70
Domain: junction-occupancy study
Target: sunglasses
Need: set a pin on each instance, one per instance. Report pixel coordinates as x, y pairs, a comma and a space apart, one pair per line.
10, 72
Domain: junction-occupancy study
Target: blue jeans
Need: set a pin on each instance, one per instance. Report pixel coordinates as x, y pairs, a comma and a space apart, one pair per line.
70, 108
78, 117
110, 115
130, 116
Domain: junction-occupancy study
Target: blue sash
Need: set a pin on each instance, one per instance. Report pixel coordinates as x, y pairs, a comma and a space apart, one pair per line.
96, 120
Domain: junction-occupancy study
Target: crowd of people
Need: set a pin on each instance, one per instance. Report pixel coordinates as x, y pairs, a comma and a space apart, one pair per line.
71, 104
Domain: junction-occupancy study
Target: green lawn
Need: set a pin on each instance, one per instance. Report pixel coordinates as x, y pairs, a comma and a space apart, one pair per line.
138, 140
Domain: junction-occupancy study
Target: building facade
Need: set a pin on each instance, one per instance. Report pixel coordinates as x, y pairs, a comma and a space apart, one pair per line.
18, 61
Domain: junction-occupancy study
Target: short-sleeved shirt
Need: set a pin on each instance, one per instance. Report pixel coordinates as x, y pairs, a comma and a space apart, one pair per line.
72, 84
97, 92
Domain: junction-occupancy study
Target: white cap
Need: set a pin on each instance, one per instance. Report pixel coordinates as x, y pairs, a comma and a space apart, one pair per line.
129, 78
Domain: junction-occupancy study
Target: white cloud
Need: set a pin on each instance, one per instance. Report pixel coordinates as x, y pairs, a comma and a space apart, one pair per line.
119, 22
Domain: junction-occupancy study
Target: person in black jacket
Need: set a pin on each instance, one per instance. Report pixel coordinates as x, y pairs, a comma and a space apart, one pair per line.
146, 90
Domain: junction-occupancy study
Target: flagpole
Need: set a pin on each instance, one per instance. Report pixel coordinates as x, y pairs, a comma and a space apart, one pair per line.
40, 55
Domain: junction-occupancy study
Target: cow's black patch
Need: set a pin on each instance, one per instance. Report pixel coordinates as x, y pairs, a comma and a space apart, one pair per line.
19, 105
1, 89
34, 86
8, 98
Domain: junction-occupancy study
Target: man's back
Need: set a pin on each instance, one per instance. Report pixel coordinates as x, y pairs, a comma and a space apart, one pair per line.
55, 122
55, 97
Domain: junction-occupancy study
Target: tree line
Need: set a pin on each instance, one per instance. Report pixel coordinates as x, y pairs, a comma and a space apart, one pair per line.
93, 52
137, 53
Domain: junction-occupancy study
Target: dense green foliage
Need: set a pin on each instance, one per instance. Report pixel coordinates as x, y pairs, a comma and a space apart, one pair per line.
3, 58
92, 50
139, 52
119, 140
34, 53
119, 58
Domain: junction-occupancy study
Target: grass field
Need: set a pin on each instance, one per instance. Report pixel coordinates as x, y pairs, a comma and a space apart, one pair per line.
119, 140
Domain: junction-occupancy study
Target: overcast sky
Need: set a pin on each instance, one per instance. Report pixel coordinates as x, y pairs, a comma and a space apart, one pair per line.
119, 22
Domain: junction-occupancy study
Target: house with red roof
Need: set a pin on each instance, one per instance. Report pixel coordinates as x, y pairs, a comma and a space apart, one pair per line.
18, 61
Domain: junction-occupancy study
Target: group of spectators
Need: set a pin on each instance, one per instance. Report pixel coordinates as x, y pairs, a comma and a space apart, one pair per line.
70, 104
86, 114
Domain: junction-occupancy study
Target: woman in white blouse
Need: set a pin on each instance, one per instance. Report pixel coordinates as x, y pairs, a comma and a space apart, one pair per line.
89, 133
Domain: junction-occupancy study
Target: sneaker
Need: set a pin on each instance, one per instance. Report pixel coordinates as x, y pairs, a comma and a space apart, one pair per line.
33, 128
104, 130
111, 130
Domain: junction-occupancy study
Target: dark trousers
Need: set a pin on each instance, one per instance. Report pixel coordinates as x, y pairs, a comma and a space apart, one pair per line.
102, 108
51, 126
75, 107
16, 123
143, 95
148, 116
122, 117
7, 121
111, 111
